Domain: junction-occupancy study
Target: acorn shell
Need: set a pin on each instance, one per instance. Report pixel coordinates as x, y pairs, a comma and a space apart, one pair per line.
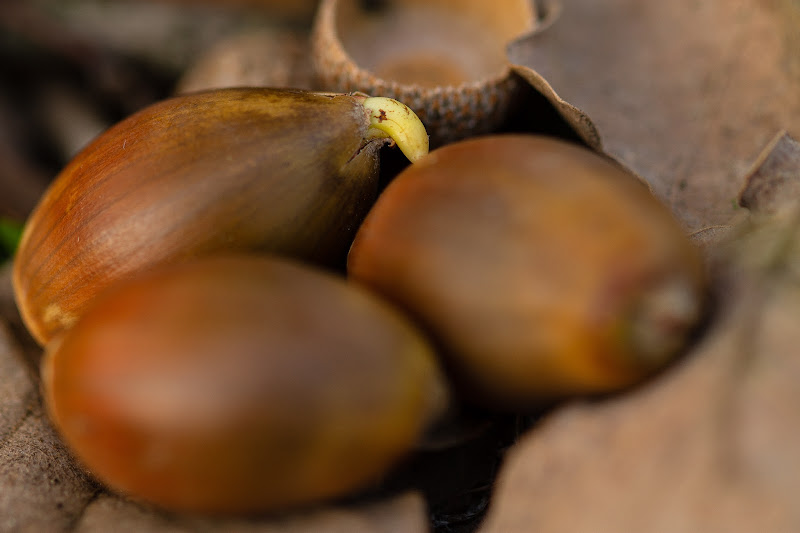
443, 58
290, 172
240, 384
542, 269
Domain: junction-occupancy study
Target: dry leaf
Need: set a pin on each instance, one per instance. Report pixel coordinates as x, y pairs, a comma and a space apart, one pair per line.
683, 92
403, 514
710, 446
707, 237
774, 181
41, 489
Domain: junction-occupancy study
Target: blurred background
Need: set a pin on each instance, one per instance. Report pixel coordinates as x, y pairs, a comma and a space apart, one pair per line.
71, 68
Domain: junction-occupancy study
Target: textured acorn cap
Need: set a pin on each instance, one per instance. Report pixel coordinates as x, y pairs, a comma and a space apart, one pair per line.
445, 59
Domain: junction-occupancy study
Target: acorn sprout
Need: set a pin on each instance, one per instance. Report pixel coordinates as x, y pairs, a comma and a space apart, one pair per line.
284, 171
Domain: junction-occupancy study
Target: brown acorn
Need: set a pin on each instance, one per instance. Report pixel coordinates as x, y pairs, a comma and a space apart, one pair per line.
542, 269
290, 172
240, 384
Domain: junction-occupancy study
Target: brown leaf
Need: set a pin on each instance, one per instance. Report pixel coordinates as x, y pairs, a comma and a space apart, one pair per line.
24, 348
41, 489
548, 13
774, 181
403, 514
683, 92
708, 236
710, 446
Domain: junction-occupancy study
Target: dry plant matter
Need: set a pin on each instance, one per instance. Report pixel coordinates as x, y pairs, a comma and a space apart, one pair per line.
684, 93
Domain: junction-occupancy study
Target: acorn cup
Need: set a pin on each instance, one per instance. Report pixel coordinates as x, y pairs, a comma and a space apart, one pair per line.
240, 384
541, 269
446, 59
284, 171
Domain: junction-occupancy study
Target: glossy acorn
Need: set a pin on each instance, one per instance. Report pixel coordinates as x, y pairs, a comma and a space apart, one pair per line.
284, 171
542, 269
240, 384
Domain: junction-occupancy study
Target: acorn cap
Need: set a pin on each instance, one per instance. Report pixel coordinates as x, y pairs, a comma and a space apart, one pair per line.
445, 59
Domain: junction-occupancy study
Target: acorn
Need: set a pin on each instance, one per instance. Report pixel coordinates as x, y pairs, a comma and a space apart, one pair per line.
542, 269
285, 171
240, 384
